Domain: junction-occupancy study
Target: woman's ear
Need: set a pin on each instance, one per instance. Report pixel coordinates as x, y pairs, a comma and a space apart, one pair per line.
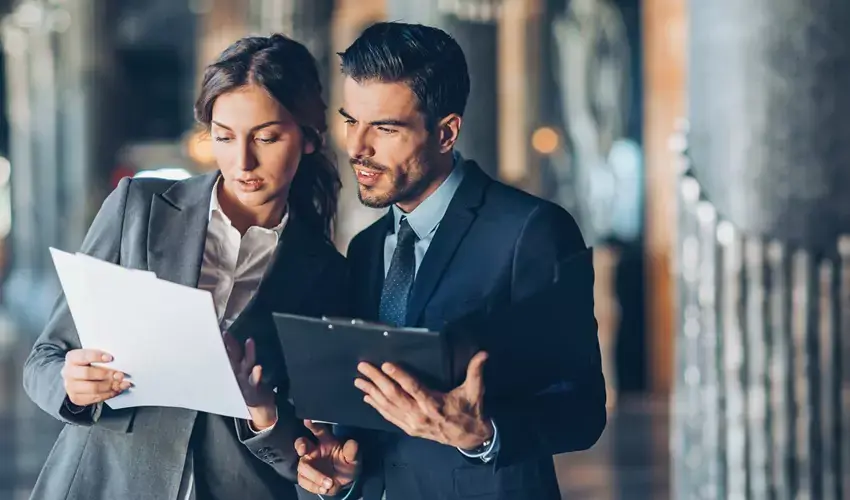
311, 140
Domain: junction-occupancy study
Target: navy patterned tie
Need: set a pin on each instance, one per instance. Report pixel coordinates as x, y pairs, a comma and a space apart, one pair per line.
399, 280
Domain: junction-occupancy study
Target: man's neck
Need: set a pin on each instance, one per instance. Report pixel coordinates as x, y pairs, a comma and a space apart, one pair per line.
444, 166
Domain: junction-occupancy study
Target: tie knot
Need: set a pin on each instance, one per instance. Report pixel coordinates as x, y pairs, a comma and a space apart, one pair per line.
406, 234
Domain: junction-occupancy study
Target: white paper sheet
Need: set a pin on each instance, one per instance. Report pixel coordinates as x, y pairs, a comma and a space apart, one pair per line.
164, 336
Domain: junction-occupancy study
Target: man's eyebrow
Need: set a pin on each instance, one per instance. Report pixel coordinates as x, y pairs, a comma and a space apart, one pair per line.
346, 115
393, 122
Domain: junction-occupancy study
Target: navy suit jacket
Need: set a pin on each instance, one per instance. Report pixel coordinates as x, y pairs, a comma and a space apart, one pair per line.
494, 246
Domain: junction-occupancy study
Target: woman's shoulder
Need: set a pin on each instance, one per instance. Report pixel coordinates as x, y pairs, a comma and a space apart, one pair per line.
150, 185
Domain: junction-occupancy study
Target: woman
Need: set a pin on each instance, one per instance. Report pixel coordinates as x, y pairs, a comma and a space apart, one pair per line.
256, 234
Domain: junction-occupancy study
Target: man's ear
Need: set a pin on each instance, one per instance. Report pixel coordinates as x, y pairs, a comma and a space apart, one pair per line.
448, 131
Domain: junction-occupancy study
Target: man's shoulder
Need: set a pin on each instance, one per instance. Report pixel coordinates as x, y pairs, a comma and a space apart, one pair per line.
512, 204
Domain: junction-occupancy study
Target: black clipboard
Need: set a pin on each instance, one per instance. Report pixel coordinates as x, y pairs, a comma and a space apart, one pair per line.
545, 339
321, 358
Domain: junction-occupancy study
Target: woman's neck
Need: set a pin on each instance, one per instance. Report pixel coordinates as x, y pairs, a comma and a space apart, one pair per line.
241, 217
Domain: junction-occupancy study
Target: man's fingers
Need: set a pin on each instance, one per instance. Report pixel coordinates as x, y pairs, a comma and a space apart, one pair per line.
304, 446
311, 474
385, 384
87, 356
310, 486
374, 393
349, 452
321, 431
388, 414
407, 382
474, 382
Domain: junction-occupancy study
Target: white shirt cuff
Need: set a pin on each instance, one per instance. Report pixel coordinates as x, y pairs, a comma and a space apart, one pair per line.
348, 494
490, 453
267, 429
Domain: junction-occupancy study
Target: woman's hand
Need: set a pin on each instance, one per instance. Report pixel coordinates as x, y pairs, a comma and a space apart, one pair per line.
259, 397
86, 384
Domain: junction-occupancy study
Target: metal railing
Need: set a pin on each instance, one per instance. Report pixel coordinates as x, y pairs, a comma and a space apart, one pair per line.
757, 406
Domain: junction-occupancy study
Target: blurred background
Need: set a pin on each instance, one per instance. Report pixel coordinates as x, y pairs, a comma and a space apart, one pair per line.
700, 145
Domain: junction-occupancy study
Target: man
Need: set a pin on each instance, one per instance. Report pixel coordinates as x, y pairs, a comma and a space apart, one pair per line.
453, 241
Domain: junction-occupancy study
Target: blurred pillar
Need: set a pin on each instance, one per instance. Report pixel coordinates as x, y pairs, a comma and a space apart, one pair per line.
519, 88
664, 29
60, 65
220, 23
307, 21
474, 24
764, 225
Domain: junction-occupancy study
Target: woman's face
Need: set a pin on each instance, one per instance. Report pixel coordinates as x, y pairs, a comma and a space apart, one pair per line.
257, 145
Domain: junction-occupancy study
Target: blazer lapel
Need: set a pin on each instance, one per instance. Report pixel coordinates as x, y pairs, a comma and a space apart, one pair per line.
296, 265
453, 227
177, 229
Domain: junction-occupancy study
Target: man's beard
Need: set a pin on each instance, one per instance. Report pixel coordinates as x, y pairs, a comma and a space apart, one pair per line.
404, 187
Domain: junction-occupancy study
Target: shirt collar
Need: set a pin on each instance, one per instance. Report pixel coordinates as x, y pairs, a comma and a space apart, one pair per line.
215, 208
425, 218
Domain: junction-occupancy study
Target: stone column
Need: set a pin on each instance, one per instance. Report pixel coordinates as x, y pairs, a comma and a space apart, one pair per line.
767, 148
308, 21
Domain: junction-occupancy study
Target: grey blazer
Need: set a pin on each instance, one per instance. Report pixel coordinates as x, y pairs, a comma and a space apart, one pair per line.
137, 454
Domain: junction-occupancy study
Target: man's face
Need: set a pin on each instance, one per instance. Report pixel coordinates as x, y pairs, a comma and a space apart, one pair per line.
389, 146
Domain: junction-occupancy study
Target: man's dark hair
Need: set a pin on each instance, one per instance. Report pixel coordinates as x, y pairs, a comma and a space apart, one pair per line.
427, 59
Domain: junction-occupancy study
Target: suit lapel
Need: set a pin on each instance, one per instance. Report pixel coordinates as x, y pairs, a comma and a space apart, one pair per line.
455, 224
177, 229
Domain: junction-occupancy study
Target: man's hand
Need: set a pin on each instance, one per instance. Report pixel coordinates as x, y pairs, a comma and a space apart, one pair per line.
454, 419
327, 467
258, 397
87, 385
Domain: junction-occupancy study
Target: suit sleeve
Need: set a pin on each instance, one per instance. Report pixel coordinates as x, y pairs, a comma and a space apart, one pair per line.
42, 371
571, 415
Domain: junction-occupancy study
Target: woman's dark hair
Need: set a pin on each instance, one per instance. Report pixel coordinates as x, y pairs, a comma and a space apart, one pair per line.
287, 71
